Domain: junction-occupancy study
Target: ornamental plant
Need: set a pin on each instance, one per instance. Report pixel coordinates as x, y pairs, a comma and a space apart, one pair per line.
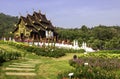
8, 55
104, 63
87, 72
43, 51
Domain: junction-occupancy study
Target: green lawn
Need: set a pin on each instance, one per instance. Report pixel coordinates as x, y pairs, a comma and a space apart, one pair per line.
48, 68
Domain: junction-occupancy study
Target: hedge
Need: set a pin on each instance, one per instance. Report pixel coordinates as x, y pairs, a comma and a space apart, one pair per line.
43, 51
8, 55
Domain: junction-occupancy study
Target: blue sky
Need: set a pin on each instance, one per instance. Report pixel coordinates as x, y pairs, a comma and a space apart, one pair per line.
68, 13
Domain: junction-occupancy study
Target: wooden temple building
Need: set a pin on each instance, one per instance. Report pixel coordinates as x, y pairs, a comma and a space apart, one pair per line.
35, 27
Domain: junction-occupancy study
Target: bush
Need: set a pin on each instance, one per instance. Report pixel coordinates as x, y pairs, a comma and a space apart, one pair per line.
8, 55
104, 63
109, 51
44, 51
100, 66
86, 72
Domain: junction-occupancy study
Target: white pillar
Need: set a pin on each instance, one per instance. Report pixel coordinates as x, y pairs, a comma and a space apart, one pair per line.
85, 45
13, 40
9, 38
4, 39
74, 43
77, 43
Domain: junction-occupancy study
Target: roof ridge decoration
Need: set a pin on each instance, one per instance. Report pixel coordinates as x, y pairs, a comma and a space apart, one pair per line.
32, 25
36, 20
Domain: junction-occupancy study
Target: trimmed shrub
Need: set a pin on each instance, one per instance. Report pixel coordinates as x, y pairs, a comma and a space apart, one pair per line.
109, 51
8, 55
44, 51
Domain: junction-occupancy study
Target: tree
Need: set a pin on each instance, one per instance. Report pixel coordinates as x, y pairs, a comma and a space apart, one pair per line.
84, 28
7, 24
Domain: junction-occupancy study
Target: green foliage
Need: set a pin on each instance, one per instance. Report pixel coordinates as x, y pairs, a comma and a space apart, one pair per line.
101, 65
50, 52
44, 51
8, 55
104, 63
6, 25
109, 51
86, 72
99, 37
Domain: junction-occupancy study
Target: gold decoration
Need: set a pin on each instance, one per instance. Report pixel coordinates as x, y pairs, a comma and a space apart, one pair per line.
15, 24
25, 23
10, 32
30, 30
39, 29
39, 19
33, 21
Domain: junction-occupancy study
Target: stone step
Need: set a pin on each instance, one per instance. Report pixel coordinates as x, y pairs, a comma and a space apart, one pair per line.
34, 61
20, 69
20, 74
22, 66
25, 64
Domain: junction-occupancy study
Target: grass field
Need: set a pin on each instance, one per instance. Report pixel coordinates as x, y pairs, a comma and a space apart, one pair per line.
47, 68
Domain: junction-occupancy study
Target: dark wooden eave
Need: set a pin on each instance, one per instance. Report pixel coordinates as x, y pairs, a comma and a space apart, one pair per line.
15, 29
32, 28
41, 17
36, 22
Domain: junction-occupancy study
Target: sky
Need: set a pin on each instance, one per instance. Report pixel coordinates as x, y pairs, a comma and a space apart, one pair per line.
67, 13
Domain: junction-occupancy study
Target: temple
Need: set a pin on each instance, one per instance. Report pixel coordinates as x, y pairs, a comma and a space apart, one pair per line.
34, 27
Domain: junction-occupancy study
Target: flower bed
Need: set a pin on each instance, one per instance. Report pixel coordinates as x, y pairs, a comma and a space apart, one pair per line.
86, 72
94, 66
104, 63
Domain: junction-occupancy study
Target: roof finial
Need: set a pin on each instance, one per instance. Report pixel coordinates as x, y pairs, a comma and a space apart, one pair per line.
27, 12
19, 15
39, 11
33, 9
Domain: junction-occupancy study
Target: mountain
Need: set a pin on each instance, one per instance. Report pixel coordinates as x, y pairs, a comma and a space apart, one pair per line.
7, 24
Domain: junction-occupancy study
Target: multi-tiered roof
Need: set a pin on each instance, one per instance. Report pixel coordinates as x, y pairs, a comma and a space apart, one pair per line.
34, 26
36, 22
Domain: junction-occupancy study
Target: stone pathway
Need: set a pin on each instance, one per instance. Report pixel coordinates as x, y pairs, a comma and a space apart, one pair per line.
21, 74
25, 68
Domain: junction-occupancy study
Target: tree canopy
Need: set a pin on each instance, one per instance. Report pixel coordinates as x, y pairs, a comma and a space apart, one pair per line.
7, 25
99, 37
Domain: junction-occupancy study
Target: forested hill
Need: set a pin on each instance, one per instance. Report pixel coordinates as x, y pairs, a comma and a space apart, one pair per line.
6, 24
99, 37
